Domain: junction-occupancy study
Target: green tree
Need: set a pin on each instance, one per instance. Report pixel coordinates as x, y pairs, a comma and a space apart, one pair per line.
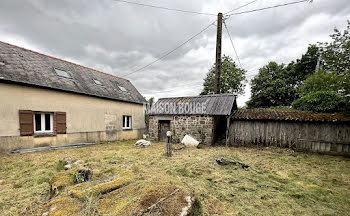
278, 85
273, 86
320, 101
321, 80
150, 104
336, 57
232, 78
306, 65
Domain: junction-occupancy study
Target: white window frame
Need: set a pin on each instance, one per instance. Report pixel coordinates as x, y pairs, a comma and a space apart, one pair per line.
43, 123
125, 121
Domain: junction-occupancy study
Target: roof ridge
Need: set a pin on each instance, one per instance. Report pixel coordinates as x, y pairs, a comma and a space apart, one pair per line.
63, 60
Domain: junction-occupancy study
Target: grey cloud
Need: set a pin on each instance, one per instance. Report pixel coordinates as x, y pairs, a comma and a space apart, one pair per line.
119, 38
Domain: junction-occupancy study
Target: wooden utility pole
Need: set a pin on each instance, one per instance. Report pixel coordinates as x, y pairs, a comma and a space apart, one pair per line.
218, 55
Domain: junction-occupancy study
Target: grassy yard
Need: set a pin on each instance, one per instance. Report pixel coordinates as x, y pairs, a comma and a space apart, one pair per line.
278, 182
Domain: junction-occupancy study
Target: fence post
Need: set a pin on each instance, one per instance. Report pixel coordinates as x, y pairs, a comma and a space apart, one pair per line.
168, 144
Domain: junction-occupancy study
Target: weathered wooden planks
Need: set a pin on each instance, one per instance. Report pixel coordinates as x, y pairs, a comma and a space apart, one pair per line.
313, 136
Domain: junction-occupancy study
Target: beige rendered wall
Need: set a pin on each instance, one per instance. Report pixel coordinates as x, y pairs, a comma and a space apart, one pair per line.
88, 118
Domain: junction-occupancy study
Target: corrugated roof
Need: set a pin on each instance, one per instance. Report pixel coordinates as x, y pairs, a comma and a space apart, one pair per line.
32, 68
289, 115
220, 104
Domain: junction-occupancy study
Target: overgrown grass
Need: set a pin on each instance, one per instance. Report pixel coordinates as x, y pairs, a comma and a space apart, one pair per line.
277, 182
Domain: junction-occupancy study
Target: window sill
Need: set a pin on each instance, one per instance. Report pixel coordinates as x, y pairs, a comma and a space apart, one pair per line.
44, 134
125, 129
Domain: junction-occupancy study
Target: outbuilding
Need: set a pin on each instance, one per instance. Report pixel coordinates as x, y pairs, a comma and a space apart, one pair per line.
47, 101
204, 117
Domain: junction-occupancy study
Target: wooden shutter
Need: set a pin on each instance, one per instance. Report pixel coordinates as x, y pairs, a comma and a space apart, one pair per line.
61, 125
26, 126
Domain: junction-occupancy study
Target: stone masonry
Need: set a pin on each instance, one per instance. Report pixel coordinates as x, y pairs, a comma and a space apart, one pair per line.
198, 126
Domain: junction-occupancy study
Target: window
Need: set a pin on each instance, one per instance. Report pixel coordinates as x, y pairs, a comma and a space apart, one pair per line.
122, 88
97, 82
62, 73
43, 122
126, 122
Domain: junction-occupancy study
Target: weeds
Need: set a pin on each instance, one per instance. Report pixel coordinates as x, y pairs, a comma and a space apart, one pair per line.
60, 165
276, 183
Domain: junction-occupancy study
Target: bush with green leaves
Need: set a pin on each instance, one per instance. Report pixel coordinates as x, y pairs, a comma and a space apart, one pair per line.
322, 80
320, 101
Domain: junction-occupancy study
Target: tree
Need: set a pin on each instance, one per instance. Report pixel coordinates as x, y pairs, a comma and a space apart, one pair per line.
320, 101
336, 57
150, 104
278, 85
321, 80
328, 89
232, 78
306, 65
273, 86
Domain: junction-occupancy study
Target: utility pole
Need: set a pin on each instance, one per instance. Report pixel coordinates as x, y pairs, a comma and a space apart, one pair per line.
218, 55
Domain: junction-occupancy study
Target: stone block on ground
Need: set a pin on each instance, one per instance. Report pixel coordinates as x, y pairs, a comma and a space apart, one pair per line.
142, 143
188, 140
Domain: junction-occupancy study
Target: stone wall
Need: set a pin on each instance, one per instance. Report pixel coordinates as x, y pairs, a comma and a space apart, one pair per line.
180, 125
153, 127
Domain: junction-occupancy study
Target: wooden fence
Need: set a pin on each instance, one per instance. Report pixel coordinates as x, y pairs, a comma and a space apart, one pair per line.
312, 136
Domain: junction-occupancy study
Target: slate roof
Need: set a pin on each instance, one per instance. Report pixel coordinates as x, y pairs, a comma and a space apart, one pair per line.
289, 115
23, 66
220, 104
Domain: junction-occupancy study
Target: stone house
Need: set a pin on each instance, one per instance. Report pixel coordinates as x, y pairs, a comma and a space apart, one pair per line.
204, 117
47, 101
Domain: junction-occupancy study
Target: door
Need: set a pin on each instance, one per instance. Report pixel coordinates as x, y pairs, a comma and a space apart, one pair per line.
164, 126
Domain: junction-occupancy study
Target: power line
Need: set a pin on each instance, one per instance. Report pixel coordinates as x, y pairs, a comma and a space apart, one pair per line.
174, 89
185, 85
173, 50
229, 35
240, 7
188, 84
227, 16
265, 8
166, 8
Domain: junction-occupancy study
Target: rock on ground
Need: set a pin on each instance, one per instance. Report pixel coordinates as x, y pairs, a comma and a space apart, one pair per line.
189, 141
143, 143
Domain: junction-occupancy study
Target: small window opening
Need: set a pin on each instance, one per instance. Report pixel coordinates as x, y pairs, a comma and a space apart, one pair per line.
62, 73
43, 122
126, 122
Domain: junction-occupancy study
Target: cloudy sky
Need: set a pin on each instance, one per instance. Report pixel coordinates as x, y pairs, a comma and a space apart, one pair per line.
119, 38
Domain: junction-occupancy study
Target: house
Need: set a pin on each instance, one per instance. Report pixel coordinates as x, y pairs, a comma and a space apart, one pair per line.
48, 101
203, 117
320, 132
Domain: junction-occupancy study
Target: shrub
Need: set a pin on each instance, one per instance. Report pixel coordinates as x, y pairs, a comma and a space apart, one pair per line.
320, 101
321, 80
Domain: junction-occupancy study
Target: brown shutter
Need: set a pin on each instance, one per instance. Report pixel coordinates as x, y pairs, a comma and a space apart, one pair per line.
61, 122
26, 126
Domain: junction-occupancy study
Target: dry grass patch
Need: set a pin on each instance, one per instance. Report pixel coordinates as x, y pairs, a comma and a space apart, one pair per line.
276, 183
